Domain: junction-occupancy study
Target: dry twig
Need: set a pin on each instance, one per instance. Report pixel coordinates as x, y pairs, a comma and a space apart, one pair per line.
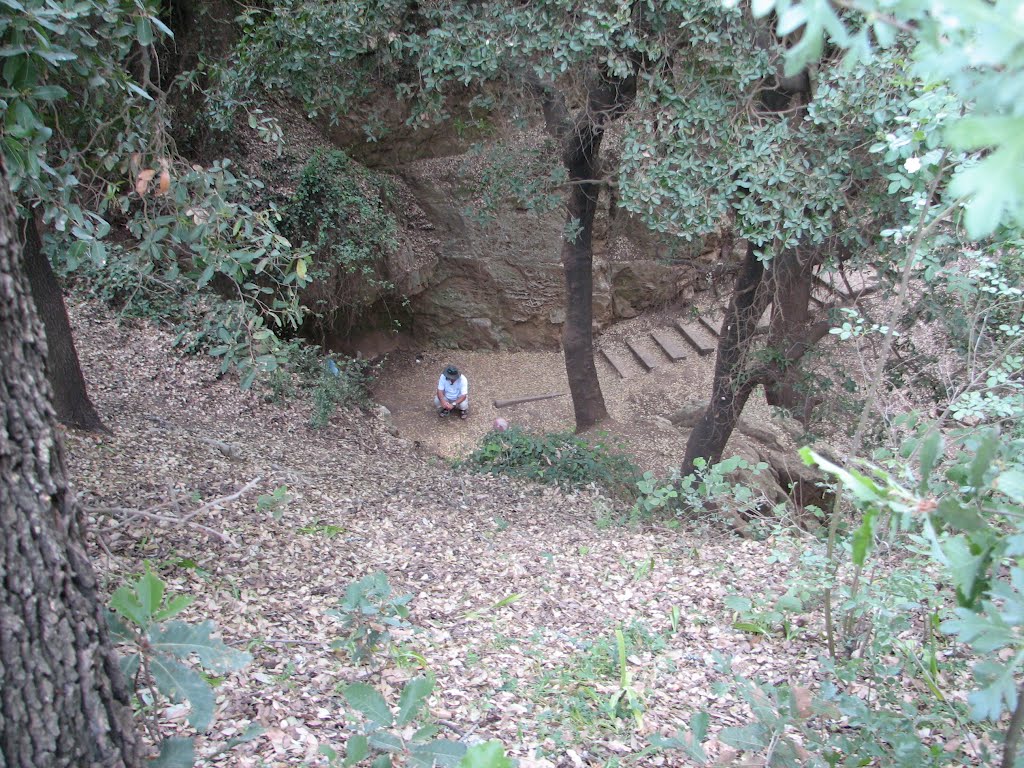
151, 514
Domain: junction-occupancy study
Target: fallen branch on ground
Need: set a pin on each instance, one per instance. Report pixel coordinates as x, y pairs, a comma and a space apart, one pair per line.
516, 401
151, 513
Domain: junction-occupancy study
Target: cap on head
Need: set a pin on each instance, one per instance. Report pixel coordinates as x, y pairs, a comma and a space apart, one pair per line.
451, 372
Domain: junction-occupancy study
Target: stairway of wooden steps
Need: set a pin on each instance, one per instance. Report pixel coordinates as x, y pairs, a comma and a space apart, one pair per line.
859, 283
701, 334
697, 335
713, 320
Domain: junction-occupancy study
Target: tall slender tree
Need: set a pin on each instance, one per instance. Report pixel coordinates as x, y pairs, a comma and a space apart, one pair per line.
608, 97
63, 700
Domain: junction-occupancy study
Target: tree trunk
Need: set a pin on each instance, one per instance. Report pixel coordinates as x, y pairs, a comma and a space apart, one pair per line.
70, 398
756, 290
730, 389
606, 100
787, 335
578, 262
63, 701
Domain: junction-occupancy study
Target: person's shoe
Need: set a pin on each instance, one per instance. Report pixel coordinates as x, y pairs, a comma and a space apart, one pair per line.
442, 412
464, 414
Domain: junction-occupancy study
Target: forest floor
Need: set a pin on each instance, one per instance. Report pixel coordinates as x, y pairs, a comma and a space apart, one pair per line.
517, 589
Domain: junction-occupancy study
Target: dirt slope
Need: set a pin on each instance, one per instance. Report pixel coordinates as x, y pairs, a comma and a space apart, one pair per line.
535, 672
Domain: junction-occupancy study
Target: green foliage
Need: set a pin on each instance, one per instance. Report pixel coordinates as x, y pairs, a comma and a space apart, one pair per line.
338, 212
689, 740
275, 502
968, 45
106, 166
317, 528
342, 382
526, 177
626, 701
326, 56
368, 613
159, 654
408, 735
763, 616
328, 381
591, 694
558, 458
976, 295
964, 511
654, 495
710, 489
856, 326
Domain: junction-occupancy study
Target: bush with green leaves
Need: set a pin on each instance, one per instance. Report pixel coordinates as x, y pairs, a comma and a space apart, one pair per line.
342, 382
160, 657
947, 38
368, 614
558, 458
710, 489
329, 381
952, 607
338, 211
87, 143
408, 736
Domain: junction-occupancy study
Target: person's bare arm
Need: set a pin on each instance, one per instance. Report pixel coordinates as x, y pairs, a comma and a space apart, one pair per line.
444, 403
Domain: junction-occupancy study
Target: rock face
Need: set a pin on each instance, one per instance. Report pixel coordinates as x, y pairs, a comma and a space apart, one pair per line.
500, 284
472, 284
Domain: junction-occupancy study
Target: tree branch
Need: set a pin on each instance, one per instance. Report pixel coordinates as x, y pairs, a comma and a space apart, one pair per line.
186, 520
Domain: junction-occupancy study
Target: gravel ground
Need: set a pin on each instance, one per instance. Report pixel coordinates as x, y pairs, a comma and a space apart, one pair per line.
639, 404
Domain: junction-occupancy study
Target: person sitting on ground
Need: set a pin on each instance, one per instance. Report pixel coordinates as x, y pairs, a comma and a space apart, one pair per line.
452, 393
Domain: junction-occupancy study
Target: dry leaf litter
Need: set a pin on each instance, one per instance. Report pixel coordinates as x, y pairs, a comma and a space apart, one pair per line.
459, 543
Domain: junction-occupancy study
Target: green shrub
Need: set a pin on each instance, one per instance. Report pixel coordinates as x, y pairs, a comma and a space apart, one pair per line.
368, 613
341, 382
339, 212
559, 458
165, 660
330, 381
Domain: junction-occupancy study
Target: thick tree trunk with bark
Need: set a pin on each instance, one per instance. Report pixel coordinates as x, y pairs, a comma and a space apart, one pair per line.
70, 398
731, 388
607, 99
787, 336
63, 701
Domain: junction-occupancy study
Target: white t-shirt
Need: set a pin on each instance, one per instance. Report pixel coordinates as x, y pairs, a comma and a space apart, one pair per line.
453, 391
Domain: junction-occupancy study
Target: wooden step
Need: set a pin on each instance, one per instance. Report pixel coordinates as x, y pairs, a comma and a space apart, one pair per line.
646, 359
713, 321
697, 335
670, 343
615, 362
